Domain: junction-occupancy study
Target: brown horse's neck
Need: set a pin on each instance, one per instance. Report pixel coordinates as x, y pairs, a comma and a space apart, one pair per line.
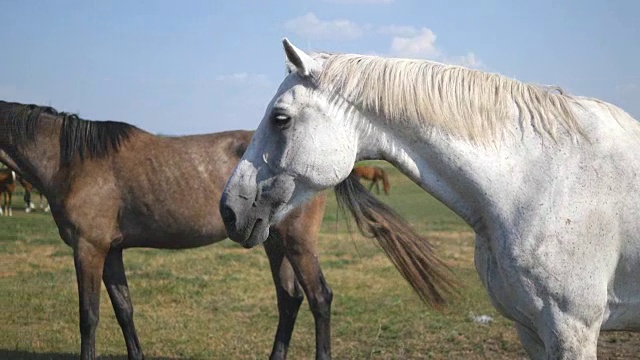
37, 159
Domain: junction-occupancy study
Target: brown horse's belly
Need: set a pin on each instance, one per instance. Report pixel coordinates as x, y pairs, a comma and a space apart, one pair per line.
174, 232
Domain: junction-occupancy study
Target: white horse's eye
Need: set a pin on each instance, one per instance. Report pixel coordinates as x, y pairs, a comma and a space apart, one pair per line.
282, 121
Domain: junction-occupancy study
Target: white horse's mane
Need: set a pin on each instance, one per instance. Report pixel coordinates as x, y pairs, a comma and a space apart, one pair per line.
476, 105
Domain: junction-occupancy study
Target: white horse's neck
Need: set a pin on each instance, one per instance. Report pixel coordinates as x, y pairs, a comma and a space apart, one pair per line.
477, 182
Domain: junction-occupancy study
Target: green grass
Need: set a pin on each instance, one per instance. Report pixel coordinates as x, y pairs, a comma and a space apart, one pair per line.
218, 301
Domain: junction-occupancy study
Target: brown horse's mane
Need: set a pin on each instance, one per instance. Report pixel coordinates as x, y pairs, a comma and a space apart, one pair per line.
78, 137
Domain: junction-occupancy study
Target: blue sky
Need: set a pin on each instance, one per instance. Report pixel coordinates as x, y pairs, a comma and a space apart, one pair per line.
185, 67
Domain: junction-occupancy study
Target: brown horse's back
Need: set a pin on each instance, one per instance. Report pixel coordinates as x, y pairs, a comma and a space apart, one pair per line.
170, 187
160, 192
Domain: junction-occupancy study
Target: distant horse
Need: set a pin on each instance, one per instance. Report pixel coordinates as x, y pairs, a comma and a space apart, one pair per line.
7, 187
374, 174
112, 186
549, 182
28, 191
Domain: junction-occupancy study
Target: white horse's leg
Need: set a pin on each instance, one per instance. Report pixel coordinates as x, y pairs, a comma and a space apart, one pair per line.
554, 320
572, 339
531, 342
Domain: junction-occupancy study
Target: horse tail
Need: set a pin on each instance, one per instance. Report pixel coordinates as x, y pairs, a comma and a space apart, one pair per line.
386, 185
409, 252
13, 175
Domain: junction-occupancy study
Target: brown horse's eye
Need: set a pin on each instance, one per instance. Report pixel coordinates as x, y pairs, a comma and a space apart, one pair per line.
282, 121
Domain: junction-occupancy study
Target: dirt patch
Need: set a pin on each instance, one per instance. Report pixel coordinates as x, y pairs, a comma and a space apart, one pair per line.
619, 345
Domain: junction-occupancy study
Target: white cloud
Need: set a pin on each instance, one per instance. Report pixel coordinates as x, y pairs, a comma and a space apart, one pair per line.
406, 41
421, 45
411, 42
361, 1
398, 30
470, 60
312, 28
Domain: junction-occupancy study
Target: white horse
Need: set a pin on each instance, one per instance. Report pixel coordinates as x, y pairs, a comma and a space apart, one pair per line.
549, 182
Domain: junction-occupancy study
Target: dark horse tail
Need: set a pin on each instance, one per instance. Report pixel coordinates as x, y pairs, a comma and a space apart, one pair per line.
411, 253
385, 181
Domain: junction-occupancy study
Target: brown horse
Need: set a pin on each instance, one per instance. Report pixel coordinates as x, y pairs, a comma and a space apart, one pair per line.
374, 174
7, 187
112, 186
28, 191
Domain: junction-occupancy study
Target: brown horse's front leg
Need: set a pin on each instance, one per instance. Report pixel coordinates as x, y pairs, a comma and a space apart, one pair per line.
115, 281
318, 294
289, 295
89, 262
300, 236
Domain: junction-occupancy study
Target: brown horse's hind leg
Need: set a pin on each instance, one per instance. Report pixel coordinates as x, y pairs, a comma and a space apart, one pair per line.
289, 296
115, 281
89, 262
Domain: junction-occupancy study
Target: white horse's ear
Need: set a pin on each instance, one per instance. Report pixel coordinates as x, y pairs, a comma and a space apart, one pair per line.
297, 60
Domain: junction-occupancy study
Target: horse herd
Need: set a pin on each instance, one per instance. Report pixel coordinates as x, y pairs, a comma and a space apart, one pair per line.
547, 181
8, 181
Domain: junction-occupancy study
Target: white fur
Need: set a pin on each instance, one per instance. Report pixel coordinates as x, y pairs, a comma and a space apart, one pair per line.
553, 202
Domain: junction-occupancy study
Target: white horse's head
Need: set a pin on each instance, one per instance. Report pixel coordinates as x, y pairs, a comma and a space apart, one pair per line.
303, 145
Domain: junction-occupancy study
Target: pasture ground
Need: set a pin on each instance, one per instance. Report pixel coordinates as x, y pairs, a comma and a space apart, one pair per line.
218, 302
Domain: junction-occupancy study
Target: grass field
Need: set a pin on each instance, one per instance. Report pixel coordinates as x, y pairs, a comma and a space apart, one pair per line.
218, 302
